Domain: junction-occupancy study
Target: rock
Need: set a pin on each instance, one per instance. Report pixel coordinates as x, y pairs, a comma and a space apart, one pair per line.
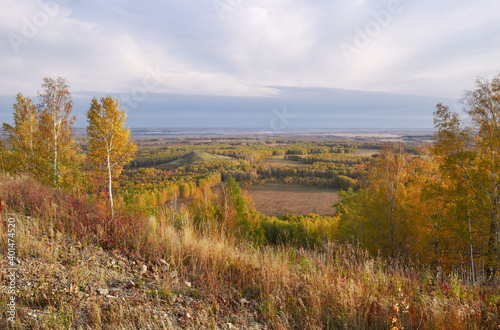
164, 265
188, 284
103, 292
110, 263
115, 292
173, 274
231, 326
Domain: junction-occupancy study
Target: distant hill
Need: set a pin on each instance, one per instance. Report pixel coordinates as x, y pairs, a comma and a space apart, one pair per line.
191, 158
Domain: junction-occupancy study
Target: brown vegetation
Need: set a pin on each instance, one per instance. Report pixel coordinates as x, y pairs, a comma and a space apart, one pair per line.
280, 199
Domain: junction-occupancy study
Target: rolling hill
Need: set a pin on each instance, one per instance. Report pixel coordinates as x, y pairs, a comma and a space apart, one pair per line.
191, 158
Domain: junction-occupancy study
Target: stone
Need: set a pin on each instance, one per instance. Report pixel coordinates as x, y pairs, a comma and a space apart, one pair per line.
103, 292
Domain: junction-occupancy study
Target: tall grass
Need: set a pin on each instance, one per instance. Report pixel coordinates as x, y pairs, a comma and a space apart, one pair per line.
339, 287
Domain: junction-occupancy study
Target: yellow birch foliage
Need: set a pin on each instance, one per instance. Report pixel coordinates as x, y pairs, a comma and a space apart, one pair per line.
470, 151
23, 137
110, 146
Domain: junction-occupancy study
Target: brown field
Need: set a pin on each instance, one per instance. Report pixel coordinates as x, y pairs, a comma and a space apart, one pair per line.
367, 152
279, 161
280, 199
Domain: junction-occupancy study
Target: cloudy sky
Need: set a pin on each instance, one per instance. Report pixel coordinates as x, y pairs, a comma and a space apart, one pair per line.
244, 63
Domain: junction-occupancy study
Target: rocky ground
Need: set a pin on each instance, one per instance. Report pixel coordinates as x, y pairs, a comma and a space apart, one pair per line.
67, 285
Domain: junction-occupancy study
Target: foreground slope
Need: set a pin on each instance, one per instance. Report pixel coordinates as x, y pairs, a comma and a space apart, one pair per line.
63, 283
79, 268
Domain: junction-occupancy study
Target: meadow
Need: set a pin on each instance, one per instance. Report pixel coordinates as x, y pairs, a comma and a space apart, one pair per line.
280, 199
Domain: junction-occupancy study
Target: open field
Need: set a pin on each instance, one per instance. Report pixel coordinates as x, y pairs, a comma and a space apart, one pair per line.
279, 161
280, 199
366, 152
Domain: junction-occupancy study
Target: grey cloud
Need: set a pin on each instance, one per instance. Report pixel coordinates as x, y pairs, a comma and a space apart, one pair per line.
433, 49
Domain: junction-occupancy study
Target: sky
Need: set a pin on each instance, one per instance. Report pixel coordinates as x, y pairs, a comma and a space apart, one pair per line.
252, 63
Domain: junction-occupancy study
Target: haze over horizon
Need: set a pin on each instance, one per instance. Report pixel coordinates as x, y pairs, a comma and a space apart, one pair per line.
249, 64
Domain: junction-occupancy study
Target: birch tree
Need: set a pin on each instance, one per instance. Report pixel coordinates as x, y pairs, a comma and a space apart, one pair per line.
471, 153
58, 147
110, 146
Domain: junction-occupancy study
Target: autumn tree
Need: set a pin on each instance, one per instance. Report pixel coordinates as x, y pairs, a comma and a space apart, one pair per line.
59, 151
380, 214
23, 137
470, 149
109, 143
233, 209
203, 209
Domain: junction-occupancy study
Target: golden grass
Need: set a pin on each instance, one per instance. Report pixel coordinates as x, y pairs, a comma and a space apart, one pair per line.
339, 287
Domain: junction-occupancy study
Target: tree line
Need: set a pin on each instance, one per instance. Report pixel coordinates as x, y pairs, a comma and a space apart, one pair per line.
440, 208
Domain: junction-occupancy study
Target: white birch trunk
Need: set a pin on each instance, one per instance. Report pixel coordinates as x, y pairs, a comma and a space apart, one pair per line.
109, 183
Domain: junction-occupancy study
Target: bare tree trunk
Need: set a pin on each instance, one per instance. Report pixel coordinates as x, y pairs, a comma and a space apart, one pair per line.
54, 165
110, 185
471, 248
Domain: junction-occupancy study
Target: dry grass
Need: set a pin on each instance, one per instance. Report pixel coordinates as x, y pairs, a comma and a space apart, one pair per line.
283, 288
280, 199
366, 152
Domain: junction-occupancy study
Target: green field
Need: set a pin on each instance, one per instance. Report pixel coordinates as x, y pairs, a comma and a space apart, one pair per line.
191, 158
